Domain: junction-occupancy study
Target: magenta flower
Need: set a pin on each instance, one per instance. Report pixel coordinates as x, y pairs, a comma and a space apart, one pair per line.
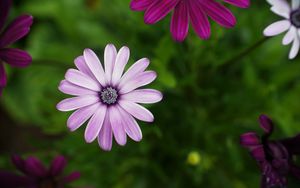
196, 11
13, 32
108, 97
36, 175
274, 157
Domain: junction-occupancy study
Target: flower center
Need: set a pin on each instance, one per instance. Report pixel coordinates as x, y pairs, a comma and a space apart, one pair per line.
109, 95
295, 18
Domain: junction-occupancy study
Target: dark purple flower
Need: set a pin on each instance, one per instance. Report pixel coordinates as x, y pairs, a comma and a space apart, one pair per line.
185, 11
16, 30
274, 157
36, 175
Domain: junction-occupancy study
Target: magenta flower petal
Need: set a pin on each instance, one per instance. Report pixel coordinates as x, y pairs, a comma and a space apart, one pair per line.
116, 122
4, 10
218, 13
144, 96
249, 139
180, 22
15, 57
266, 124
140, 80
199, 20
34, 167
140, 5
105, 136
95, 124
158, 10
80, 116
258, 153
136, 110
19, 163
71, 177
77, 102
239, 3
131, 127
121, 61
111, 108
2, 75
137, 68
19, 28
80, 79
57, 166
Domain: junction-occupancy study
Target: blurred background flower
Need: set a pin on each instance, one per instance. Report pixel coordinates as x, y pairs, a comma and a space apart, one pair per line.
213, 92
36, 175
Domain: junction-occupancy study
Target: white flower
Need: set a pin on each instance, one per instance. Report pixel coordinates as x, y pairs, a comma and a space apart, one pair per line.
290, 23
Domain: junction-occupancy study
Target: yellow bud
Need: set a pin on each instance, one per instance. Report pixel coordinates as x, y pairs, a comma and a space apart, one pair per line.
194, 158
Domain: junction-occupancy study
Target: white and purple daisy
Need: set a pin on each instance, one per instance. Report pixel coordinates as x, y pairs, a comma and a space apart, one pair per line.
108, 97
290, 23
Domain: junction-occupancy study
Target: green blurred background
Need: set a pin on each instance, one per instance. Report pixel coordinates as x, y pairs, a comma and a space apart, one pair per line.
212, 94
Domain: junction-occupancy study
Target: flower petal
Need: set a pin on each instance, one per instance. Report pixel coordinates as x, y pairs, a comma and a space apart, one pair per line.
105, 136
82, 66
80, 116
258, 153
277, 28
145, 96
199, 20
137, 111
121, 61
57, 166
134, 70
15, 57
295, 49
19, 163
280, 7
3, 79
180, 22
80, 79
71, 177
110, 54
95, 66
158, 10
218, 13
4, 10
35, 167
94, 126
239, 3
266, 124
290, 36
140, 80
19, 28
116, 122
292, 145
71, 89
249, 139
140, 5
77, 102
131, 127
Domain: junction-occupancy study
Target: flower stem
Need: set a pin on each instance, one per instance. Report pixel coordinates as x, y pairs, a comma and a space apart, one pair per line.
244, 53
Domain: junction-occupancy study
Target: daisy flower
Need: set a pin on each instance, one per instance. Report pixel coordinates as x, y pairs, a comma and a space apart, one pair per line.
16, 30
290, 23
196, 11
36, 175
274, 157
108, 97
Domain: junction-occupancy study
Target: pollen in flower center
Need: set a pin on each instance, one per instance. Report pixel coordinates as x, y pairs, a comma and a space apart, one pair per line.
109, 95
295, 18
